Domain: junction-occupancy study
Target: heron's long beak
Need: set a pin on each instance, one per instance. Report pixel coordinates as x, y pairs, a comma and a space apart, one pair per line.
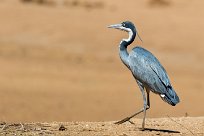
116, 26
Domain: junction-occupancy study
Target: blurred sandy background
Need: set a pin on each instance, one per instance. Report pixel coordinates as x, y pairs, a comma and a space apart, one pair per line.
59, 62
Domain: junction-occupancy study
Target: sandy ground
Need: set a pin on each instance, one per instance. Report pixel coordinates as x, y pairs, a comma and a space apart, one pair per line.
162, 126
60, 62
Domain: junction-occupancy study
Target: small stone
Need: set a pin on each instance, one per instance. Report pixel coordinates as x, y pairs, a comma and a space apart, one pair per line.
62, 128
2, 123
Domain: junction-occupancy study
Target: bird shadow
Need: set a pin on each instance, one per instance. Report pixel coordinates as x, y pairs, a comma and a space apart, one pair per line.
161, 130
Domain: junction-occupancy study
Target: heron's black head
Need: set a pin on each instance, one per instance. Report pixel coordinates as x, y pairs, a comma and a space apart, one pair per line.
126, 26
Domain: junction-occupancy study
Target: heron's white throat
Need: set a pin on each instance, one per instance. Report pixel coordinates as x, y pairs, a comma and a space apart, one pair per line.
130, 34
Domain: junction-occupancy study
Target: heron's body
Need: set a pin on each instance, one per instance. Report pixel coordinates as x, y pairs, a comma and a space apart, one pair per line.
141, 62
146, 69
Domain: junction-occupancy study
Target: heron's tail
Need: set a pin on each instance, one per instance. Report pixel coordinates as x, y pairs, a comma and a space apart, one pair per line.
170, 97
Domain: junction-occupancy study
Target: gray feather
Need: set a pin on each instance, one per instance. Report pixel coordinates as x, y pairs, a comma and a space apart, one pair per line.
147, 69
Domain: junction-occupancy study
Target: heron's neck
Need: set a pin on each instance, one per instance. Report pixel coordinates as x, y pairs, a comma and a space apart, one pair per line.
124, 53
123, 48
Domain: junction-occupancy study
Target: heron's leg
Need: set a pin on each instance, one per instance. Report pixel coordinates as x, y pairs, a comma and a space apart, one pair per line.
140, 111
128, 118
146, 104
148, 101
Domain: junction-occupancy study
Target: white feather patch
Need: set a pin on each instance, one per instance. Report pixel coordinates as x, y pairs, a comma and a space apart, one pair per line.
130, 34
162, 95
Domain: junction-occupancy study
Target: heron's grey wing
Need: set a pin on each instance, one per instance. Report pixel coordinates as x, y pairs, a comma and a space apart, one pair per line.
147, 68
159, 70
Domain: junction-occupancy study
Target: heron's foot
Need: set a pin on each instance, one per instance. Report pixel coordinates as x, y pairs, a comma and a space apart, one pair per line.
124, 120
